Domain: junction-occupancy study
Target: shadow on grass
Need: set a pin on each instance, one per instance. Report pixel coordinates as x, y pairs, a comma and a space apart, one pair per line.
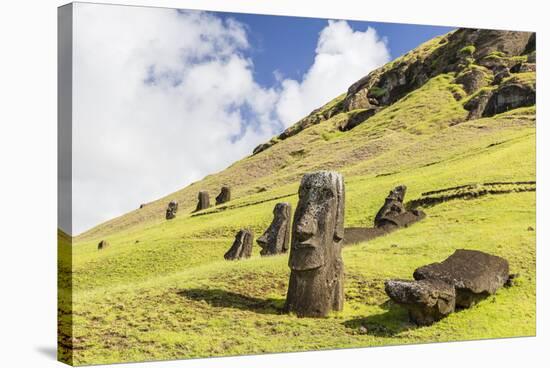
229, 299
390, 323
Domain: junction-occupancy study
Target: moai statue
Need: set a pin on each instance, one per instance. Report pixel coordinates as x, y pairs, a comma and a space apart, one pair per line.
171, 210
277, 236
224, 196
204, 201
242, 246
392, 207
102, 245
316, 283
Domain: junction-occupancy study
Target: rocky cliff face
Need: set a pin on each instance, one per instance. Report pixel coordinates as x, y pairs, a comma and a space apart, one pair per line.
496, 70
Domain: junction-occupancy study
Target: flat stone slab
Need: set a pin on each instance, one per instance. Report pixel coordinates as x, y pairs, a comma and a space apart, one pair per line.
474, 274
427, 301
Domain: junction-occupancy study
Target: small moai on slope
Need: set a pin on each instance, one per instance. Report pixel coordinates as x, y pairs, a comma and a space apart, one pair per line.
171, 210
393, 214
203, 201
242, 246
316, 284
102, 245
276, 238
224, 196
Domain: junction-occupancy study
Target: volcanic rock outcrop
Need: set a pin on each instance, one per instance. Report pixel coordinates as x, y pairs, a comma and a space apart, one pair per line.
224, 196
241, 247
276, 238
460, 281
481, 61
317, 270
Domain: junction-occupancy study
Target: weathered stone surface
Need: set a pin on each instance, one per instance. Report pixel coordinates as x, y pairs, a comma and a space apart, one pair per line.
224, 196
477, 104
203, 201
474, 274
317, 269
427, 301
473, 79
509, 96
357, 118
241, 247
102, 245
276, 238
171, 210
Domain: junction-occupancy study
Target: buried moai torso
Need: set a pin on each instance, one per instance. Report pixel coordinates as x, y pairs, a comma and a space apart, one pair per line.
317, 270
224, 196
277, 236
203, 201
171, 210
241, 247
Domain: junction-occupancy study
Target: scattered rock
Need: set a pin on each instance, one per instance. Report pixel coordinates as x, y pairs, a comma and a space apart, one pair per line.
242, 246
363, 330
102, 245
510, 282
141, 206
171, 210
224, 196
530, 228
276, 238
427, 301
203, 201
474, 274
317, 270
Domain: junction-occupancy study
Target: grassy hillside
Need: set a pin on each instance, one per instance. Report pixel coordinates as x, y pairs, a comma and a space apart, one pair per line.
162, 290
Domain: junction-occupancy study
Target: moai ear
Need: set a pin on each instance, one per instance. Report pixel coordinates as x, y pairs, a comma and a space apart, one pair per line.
340, 208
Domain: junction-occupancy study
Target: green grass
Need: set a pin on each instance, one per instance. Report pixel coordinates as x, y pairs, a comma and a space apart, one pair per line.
162, 290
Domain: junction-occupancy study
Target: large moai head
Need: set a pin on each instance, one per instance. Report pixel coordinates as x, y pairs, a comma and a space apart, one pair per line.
318, 221
317, 270
276, 238
203, 201
393, 206
171, 210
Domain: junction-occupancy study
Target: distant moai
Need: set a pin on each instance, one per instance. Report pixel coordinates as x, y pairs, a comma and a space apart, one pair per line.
102, 245
171, 210
242, 246
393, 214
316, 284
276, 238
224, 196
203, 201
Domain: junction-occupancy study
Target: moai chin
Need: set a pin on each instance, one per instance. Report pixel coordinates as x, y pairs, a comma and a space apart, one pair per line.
277, 236
316, 284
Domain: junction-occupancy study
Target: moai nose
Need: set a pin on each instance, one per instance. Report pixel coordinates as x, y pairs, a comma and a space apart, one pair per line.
306, 227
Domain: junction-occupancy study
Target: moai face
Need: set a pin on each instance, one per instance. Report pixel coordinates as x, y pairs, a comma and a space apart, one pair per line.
318, 226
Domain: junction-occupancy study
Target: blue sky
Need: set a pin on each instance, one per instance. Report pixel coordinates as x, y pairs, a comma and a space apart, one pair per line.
287, 44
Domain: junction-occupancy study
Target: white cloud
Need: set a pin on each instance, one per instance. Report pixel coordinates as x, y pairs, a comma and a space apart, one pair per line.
158, 96
342, 57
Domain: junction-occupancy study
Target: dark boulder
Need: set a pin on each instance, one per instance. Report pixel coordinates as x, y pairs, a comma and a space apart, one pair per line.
356, 118
171, 210
276, 238
203, 201
474, 274
102, 245
509, 96
316, 284
241, 247
224, 196
427, 301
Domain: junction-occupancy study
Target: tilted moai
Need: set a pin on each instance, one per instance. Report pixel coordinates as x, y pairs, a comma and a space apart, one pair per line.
203, 201
316, 284
393, 213
171, 210
242, 246
224, 196
276, 238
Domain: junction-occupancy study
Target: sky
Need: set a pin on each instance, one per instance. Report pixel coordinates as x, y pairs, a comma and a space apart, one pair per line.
163, 97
